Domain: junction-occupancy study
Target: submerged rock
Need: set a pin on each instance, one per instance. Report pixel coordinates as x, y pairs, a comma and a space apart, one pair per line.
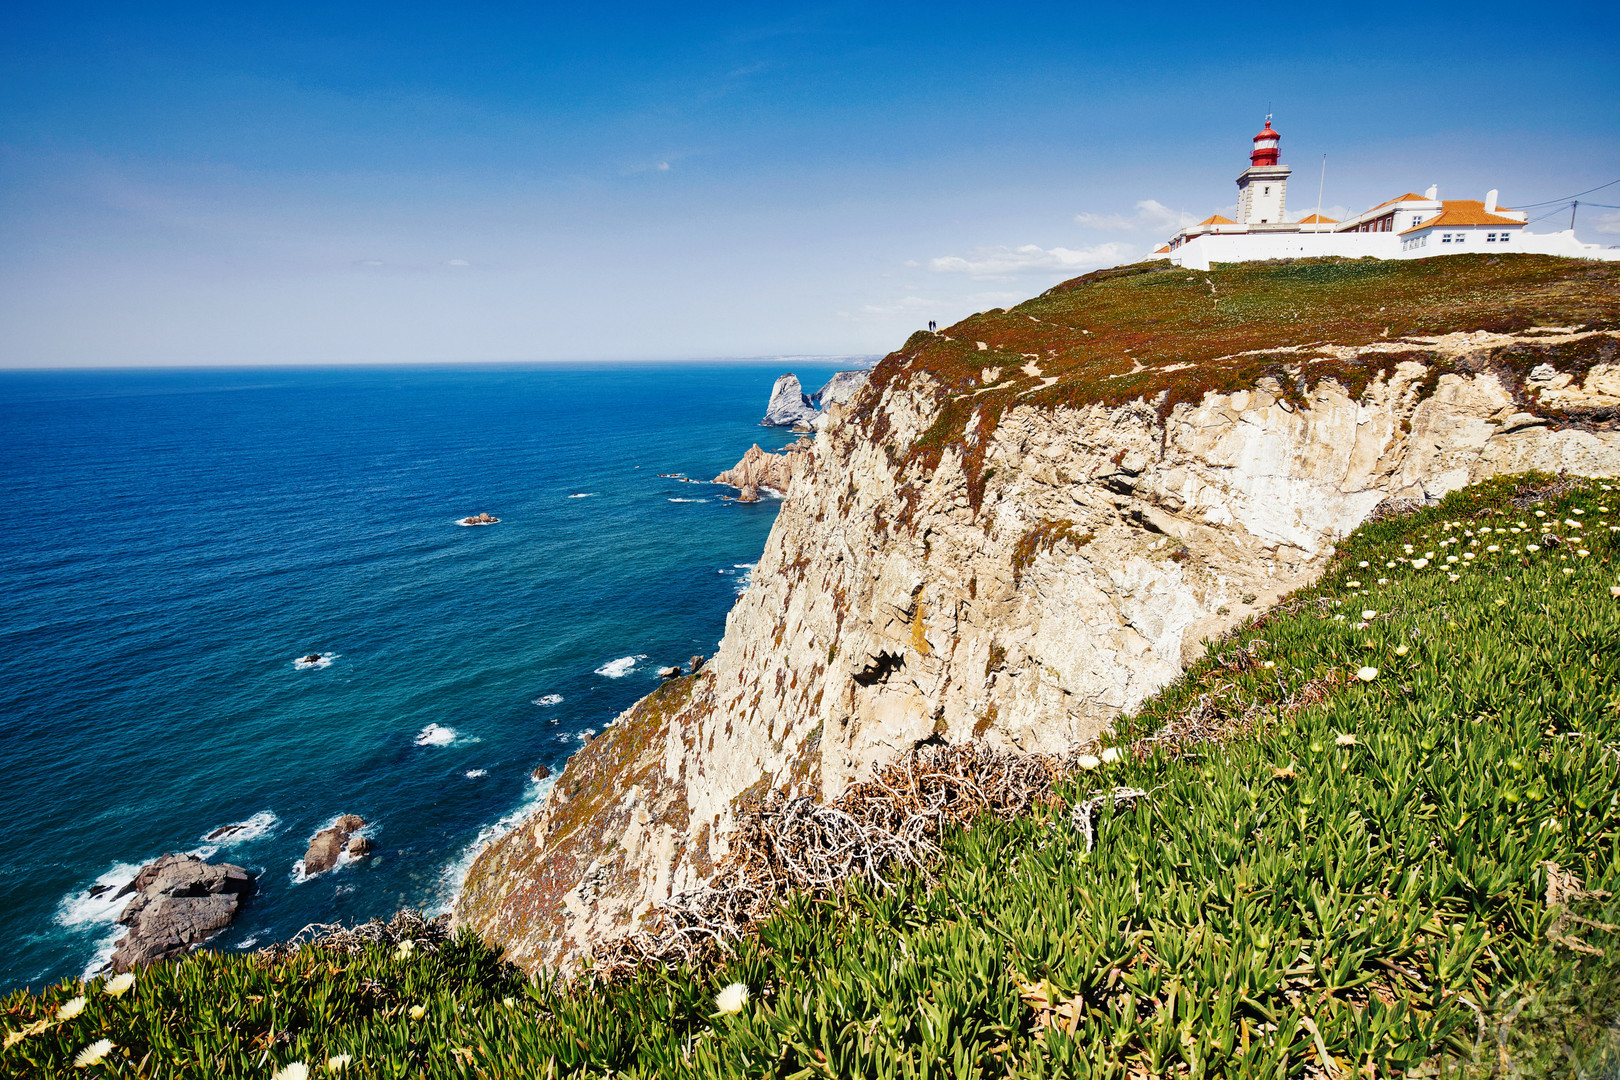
179, 902
326, 845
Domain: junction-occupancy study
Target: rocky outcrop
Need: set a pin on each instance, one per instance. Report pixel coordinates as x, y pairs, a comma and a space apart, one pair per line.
789, 404
326, 845
761, 471
179, 902
1046, 570
840, 389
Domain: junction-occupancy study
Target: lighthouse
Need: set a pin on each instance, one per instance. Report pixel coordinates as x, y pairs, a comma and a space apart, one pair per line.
1263, 186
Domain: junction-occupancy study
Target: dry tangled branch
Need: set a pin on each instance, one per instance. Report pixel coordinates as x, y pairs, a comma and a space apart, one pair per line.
1080, 815
873, 832
407, 925
1563, 889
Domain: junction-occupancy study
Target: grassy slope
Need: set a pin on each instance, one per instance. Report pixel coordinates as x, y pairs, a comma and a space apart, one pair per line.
1287, 887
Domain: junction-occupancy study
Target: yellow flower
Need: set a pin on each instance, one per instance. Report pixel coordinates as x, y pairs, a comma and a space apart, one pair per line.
418, 1011
1401, 650
119, 985
1367, 674
339, 1062
92, 1054
405, 949
1569, 569
293, 1070
71, 1008
732, 998
1342, 739
1418, 564
1532, 547
1492, 547
1582, 552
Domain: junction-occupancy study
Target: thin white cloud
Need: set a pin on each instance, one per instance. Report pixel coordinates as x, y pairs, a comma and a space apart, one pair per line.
458, 263
1029, 258
1609, 224
1151, 215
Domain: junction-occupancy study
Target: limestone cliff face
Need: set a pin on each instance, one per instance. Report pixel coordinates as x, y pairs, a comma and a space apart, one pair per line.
896, 601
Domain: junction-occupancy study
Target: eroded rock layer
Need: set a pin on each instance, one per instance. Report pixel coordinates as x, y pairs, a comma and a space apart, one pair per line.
1020, 574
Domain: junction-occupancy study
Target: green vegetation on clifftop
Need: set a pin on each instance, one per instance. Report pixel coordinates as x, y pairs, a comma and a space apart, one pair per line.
1376, 836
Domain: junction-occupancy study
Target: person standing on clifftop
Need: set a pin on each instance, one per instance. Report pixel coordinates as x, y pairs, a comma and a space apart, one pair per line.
930, 325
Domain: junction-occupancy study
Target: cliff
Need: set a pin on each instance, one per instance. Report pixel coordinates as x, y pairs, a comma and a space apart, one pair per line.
790, 406
1027, 524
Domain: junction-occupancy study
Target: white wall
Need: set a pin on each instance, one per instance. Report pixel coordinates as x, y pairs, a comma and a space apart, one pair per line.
1199, 252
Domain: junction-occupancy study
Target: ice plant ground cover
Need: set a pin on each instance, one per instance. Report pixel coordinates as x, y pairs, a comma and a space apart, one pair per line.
1325, 873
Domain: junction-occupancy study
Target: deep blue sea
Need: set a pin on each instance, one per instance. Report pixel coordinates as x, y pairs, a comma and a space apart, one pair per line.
172, 541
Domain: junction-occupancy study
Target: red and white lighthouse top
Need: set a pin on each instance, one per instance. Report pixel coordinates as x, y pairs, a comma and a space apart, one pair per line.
1265, 146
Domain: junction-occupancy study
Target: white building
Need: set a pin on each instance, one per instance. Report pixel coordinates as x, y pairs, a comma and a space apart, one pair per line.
1408, 226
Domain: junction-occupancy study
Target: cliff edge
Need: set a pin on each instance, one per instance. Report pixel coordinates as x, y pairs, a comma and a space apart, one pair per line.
1026, 524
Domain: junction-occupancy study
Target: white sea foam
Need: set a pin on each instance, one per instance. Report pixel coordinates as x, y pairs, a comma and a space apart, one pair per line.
240, 832
583, 495
436, 735
98, 915
248, 942
453, 875
689, 500
368, 830
744, 578
587, 735
618, 669
325, 660
548, 699
473, 774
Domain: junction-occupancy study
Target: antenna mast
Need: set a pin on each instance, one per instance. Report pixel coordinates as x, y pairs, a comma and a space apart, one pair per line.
1319, 189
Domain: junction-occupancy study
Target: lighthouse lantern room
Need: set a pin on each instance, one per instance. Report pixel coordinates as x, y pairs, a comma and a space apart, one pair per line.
1263, 186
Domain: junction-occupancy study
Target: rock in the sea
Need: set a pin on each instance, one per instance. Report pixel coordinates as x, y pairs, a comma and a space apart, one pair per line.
669, 672
326, 845
358, 846
760, 470
697, 662
789, 403
840, 388
541, 772
179, 902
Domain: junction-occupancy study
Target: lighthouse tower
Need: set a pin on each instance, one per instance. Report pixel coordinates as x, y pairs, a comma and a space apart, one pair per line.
1263, 187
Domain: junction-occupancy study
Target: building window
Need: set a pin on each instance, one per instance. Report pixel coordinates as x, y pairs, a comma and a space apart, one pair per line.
1267, 191
1490, 238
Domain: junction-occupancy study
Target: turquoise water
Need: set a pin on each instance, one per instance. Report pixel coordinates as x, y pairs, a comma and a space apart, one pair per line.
171, 541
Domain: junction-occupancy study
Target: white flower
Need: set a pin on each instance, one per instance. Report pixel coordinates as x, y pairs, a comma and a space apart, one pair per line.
1541, 513
1614, 590
732, 998
1569, 569
1338, 618
1110, 755
1418, 564
1583, 553
1454, 577
1532, 547
1354, 584
405, 949
1383, 581
1492, 547
293, 1070
92, 1054
1369, 614
1468, 554
1402, 650
1341, 739
1367, 674
71, 1008
1428, 554
1451, 558
119, 985
1362, 563
1088, 761
418, 1011
1272, 663
339, 1062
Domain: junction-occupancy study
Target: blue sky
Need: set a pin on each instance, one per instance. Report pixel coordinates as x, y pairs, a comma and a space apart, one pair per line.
310, 183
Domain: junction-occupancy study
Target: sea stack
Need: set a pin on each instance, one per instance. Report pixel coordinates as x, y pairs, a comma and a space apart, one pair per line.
326, 845
179, 902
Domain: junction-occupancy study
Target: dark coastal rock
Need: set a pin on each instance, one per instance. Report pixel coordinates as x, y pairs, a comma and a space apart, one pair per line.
359, 846
481, 519
541, 772
697, 662
326, 845
179, 902
670, 672
789, 403
313, 658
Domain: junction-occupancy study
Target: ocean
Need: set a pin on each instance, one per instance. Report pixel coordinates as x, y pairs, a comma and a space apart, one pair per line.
173, 541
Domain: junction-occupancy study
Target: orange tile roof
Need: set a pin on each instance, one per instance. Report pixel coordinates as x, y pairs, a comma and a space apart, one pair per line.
1161, 249
1317, 219
1410, 196
1216, 219
1462, 212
